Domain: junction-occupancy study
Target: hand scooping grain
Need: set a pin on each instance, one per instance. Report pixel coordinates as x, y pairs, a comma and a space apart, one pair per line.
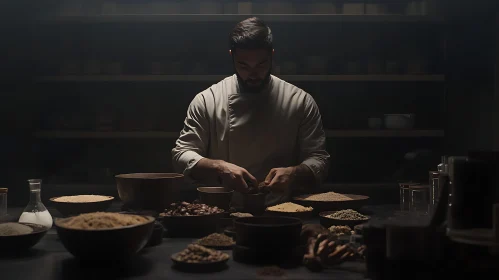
289, 207
347, 214
200, 254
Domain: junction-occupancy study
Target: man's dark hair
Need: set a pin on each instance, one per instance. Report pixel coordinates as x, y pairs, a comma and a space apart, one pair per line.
251, 33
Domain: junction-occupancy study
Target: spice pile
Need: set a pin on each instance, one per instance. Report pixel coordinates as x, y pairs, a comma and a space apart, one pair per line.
271, 271
10, 229
200, 254
216, 240
191, 209
103, 220
341, 230
329, 196
290, 208
82, 198
347, 214
240, 215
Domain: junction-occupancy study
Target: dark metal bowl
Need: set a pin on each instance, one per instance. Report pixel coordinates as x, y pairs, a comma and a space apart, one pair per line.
77, 208
107, 244
216, 196
268, 232
192, 226
18, 243
149, 191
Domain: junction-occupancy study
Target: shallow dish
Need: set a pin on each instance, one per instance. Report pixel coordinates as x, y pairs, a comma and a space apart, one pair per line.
106, 244
328, 222
77, 208
356, 202
19, 243
199, 267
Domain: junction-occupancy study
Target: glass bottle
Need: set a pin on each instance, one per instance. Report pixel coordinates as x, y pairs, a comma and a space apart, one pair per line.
36, 212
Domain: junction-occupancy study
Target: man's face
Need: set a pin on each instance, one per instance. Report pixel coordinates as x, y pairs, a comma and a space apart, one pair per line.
253, 68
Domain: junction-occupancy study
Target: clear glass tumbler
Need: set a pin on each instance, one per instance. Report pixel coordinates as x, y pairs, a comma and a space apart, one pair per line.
420, 199
405, 196
3, 201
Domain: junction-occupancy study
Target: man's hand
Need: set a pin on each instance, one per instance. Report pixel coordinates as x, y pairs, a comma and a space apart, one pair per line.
235, 177
279, 179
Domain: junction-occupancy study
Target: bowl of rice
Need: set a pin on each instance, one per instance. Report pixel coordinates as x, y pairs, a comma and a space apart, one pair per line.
78, 204
104, 235
290, 209
19, 237
329, 201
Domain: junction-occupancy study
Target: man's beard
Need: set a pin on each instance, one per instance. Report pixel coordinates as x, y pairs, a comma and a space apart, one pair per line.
249, 88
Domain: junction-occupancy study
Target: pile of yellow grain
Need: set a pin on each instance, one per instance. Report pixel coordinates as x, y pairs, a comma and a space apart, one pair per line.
328, 196
289, 207
82, 198
103, 220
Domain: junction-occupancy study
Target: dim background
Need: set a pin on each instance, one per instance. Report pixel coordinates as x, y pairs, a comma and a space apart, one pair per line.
91, 89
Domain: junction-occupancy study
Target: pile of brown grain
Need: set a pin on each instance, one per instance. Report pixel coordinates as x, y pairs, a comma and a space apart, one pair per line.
329, 196
82, 198
289, 207
103, 220
9, 229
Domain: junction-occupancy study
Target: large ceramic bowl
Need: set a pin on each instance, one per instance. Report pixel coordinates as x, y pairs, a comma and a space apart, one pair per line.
149, 191
106, 244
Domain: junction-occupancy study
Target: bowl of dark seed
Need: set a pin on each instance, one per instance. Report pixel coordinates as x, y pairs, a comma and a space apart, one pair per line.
197, 258
191, 219
217, 241
346, 217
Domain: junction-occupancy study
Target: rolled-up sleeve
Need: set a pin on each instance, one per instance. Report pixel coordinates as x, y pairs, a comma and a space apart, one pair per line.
192, 144
312, 141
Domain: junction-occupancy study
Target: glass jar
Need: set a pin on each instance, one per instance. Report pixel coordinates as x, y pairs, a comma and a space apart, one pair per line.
420, 198
3, 201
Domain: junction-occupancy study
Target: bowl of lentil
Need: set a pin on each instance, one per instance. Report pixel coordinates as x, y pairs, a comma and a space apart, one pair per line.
103, 235
348, 217
330, 201
79, 204
197, 258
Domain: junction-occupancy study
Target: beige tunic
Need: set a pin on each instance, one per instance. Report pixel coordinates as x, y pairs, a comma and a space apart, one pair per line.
278, 127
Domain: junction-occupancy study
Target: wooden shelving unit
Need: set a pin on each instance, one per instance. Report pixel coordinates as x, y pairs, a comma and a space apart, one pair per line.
216, 78
271, 18
163, 134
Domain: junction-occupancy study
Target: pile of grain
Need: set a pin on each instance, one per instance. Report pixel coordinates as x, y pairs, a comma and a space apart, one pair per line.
103, 220
241, 215
289, 207
216, 240
347, 214
329, 196
9, 229
341, 230
82, 198
200, 254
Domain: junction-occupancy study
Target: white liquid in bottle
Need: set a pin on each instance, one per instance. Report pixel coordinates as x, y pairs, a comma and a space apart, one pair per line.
35, 212
40, 218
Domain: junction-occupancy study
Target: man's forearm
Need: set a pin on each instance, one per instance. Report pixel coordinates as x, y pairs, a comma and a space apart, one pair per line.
206, 170
304, 177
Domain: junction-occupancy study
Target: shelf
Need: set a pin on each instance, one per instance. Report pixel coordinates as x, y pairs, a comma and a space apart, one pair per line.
383, 133
216, 78
288, 18
161, 134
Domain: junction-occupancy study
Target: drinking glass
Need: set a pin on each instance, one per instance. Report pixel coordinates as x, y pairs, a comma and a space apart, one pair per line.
420, 199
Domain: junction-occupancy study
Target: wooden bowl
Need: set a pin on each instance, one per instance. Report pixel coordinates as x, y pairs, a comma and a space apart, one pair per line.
12, 244
77, 208
106, 244
328, 222
149, 191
